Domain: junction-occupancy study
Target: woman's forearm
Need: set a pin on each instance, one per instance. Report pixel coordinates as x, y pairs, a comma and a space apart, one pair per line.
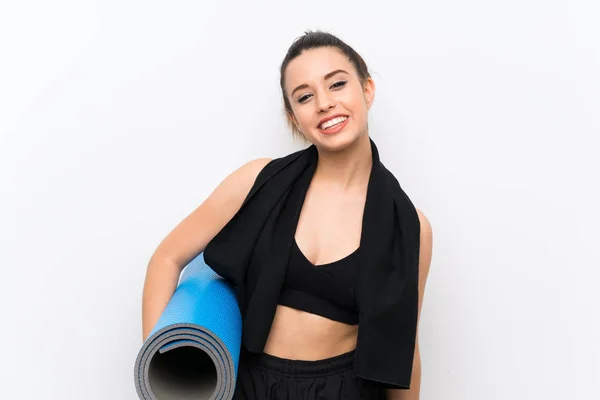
161, 281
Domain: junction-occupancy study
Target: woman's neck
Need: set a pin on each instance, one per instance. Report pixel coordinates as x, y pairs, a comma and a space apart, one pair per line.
348, 168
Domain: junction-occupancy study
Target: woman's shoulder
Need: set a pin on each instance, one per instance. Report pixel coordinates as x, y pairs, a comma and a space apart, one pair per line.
260, 169
252, 168
237, 184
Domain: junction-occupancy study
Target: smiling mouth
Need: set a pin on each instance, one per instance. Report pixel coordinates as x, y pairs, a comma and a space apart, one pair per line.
338, 124
332, 123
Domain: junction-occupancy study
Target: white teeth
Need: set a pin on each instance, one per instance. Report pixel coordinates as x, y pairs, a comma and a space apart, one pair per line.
332, 122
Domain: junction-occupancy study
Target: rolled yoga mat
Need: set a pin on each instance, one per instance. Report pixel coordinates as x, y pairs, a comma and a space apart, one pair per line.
193, 351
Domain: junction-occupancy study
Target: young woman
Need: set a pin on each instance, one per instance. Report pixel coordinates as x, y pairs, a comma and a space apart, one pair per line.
328, 254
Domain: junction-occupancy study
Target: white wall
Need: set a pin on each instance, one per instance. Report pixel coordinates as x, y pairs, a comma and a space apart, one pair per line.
117, 118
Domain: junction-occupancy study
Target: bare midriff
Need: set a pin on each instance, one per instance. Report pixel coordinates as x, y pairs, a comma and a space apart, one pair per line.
299, 335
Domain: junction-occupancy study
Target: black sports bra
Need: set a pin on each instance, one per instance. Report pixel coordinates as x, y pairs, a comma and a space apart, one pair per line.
326, 290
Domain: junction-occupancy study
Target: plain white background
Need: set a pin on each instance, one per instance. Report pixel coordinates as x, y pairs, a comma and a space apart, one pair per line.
118, 118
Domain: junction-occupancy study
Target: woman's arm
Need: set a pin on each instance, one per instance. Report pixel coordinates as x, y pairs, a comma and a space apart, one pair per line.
424, 263
190, 237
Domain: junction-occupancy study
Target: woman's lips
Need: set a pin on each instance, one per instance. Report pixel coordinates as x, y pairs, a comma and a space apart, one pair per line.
335, 129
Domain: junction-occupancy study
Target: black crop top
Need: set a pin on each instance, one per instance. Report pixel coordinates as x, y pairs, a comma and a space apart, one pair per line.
326, 290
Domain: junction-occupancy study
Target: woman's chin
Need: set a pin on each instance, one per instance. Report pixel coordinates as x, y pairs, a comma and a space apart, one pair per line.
336, 142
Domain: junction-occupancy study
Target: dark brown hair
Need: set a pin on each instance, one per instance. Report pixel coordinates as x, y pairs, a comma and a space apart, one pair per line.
313, 40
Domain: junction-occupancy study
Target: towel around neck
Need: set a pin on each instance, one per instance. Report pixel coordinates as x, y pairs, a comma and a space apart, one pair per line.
253, 249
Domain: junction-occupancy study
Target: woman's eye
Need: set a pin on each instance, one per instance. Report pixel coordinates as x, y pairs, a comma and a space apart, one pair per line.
336, 85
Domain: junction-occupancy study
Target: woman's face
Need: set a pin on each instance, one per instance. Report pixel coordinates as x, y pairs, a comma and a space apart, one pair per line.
317, 92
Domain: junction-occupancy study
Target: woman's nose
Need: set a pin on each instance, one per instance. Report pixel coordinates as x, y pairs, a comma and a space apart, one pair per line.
325, 102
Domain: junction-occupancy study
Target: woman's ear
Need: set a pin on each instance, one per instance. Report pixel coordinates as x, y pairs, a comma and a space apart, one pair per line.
369, 91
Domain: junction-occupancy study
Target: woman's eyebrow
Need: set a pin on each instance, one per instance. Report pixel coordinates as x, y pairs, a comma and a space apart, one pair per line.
327, 76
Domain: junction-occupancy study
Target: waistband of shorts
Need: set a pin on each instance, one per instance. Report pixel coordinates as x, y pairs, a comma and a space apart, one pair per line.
305, 368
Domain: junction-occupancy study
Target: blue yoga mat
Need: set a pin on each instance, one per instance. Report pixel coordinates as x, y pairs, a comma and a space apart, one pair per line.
193, 351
